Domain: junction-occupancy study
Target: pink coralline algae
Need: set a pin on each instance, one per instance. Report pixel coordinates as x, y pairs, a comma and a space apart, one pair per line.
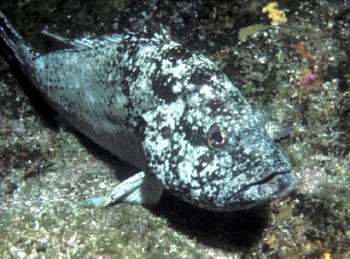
308, 182
13, 126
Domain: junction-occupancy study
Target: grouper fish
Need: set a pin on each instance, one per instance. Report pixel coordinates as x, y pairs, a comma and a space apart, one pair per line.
167, 110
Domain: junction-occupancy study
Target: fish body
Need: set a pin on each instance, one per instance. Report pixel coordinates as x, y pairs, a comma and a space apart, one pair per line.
169, 111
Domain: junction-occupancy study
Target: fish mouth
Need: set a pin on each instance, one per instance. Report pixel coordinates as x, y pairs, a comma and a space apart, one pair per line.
276, 185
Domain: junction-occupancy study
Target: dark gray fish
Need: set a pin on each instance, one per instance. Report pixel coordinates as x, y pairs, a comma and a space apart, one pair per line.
169, 111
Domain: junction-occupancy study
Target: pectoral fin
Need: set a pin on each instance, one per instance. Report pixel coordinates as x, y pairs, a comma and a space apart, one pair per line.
144, 189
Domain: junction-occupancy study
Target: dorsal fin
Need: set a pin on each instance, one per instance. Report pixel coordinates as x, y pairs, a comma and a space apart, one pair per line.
61, 43
83, 43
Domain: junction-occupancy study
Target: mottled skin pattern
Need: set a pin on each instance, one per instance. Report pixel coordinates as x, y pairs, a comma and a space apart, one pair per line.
151, 102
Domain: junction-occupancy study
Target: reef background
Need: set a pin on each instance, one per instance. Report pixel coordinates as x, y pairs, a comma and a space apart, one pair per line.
295, 70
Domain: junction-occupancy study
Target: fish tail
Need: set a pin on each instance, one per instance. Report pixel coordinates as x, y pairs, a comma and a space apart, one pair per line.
14, 47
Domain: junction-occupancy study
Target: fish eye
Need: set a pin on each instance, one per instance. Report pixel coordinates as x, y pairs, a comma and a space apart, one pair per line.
216, 137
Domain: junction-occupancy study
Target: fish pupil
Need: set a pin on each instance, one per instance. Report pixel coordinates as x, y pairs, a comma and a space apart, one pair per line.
217, 137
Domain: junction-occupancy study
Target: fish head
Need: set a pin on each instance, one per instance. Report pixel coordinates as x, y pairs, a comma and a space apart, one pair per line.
208, 147
246, 169
221, 160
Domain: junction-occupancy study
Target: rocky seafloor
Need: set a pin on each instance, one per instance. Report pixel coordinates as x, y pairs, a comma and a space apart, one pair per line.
295, 70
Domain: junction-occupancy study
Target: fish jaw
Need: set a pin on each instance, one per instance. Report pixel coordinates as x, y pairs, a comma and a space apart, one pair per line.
276, 186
